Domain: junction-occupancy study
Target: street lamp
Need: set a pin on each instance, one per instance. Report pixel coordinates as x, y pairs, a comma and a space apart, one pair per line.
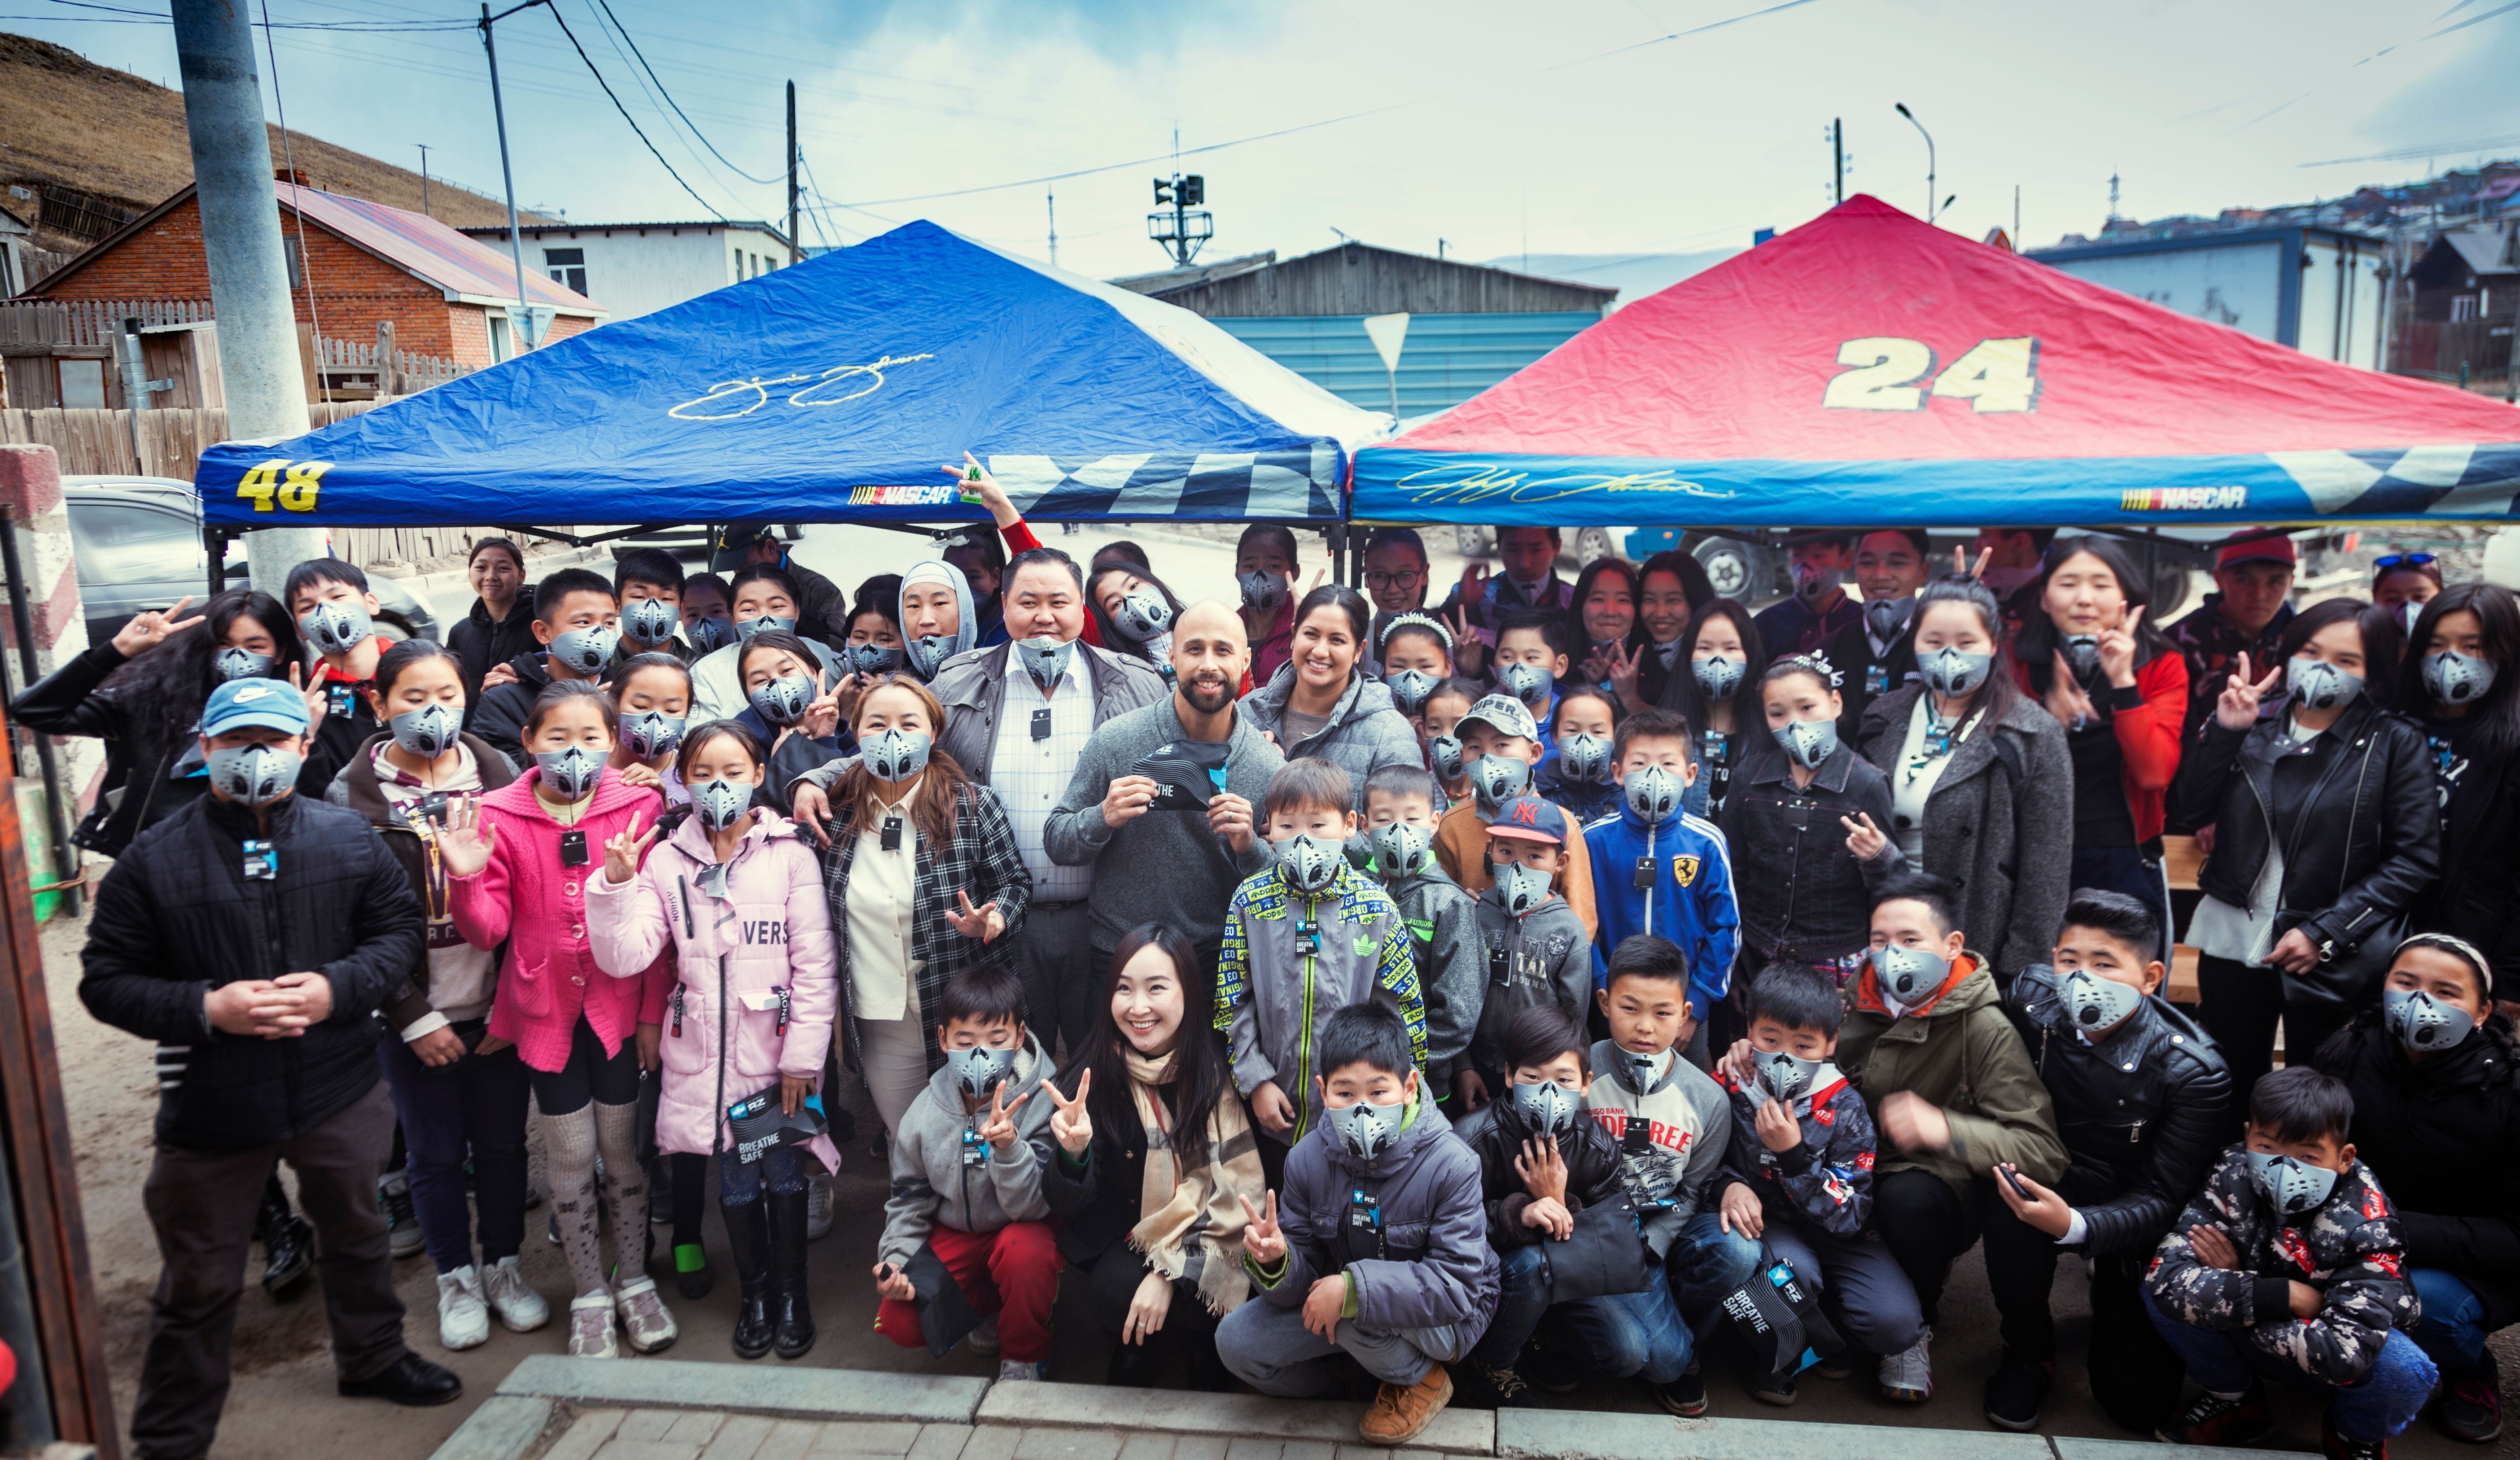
1930, 211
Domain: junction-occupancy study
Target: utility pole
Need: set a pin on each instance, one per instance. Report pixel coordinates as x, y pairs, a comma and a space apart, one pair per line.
241, 243
1837, 153
1931, 210
1052, 197
2113, 196
522, 325
424, 179
795, 250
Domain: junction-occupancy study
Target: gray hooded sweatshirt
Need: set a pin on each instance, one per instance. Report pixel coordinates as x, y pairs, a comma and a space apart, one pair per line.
933, 1184
1366, 730
966, 636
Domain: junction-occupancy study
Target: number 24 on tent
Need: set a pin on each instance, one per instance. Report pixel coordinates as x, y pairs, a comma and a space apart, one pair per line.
1889, 375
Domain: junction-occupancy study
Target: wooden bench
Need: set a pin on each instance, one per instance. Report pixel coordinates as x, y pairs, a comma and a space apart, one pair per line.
2181, 858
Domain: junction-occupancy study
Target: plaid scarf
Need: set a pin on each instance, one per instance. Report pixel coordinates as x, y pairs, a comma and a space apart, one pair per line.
1193, 1229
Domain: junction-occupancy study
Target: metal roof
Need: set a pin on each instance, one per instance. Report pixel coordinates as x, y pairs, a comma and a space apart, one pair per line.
2482, 251
466, 268
713, 225
1445, 360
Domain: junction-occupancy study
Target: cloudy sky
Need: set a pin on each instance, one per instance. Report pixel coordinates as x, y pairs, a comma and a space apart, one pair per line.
1593, 127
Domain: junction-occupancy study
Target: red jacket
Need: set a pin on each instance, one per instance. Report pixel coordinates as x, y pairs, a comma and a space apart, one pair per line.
2147, 735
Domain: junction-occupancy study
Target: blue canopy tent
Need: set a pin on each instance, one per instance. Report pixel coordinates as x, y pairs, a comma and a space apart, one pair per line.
835, 392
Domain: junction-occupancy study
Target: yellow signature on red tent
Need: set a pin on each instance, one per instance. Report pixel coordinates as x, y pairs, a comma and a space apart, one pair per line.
838, 385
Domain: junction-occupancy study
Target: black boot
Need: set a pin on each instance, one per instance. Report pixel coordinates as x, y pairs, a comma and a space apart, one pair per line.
747, 1241
795, 1322
287, 1243
1133, 1366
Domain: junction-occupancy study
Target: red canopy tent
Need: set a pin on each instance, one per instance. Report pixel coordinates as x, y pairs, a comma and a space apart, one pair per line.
1869, 367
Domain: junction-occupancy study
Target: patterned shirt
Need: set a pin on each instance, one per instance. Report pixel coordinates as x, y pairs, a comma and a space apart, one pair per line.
2212, 645
1030, 774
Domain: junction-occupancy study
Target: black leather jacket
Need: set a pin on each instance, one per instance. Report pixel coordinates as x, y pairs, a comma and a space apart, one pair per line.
1592, 1170
2142, 1112
2354, 813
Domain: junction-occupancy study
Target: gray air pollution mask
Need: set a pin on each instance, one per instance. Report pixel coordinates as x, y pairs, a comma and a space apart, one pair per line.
1045, 658
1546, 1111
1411, 689
1808, 742
709, 635
1885, 617
763, 623
649, 622
572, 772
1907, 976
1520, 889
721, 804
977, 1073
1784, 1075
929, 653
1310, 864
1528, 683
2449, 676
783, 700
2423, 1024
427, 731
1498, 779
2083, 656
232, 663
1811, 584
1653, 795
586, 650
2292, 1186
1718, 675
1262, 591
1143, 615
895, 755
255, 774
2089, 1003
869, 658
1584, 758
650, 735
1366, 1129
1444, 757
337, 628
1647, 1069
2317, 685
1400, 849
1953, 672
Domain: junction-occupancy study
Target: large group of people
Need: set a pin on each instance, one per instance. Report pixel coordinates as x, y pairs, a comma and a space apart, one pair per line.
1539, 982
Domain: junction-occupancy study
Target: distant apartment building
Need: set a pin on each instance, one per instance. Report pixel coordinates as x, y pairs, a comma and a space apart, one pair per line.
640, 268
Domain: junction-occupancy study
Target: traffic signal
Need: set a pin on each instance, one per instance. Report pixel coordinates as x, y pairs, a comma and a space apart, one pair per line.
1194, 191
1163, 193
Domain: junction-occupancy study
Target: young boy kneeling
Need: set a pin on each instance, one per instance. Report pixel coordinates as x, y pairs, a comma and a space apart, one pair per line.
2291, 1263
1377, 1245
1801, 1167
966, 1180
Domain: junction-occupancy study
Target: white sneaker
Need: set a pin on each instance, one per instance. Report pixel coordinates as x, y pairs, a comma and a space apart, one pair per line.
984, 1338
590, 1327
1907, 1374
519, 1307
818, 1206
1032, 1373
463, 1320
645, 1321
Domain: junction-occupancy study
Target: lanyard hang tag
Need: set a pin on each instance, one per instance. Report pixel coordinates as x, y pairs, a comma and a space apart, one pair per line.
1041, 723
1644, 878
892, 833
572, 847
262, 862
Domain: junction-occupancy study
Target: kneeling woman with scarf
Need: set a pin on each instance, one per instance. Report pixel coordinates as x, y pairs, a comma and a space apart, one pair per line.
1155, 1161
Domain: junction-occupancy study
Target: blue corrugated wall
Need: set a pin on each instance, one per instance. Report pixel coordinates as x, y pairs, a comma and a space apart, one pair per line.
1448, 358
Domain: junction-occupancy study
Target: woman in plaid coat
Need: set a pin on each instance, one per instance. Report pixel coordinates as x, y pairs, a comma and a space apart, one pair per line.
925, 882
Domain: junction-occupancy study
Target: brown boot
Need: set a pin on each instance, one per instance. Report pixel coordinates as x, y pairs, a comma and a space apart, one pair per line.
1400, 1415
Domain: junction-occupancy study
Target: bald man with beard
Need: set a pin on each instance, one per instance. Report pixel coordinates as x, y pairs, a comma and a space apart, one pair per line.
1172, 865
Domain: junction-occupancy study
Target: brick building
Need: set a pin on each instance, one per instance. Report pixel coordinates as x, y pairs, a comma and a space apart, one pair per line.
446, 294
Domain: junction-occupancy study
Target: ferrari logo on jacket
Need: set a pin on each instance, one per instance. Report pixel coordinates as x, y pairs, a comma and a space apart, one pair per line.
1684, 870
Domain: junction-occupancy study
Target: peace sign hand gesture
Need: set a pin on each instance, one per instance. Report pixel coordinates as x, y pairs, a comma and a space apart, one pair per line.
150, 628
999, 1130
622, 851
984, 922
2237, 707
2065, 698
466, 842
2117, 649
1070, 1124
1866, 840
316, 699
1263, 1241
1961, 568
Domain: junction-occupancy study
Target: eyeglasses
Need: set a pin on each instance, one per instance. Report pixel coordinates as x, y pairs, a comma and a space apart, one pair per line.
1409, 579
2402, 561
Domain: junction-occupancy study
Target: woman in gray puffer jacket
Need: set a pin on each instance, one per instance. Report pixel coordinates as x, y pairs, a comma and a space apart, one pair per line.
1321, 703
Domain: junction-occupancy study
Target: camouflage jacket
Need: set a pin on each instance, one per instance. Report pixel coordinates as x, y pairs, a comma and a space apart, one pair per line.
2351, 1249
1824, 1183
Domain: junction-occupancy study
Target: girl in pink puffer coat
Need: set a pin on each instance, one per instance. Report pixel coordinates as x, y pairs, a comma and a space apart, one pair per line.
740, 902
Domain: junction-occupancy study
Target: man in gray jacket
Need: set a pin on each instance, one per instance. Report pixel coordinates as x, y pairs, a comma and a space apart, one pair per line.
1018, 718
1171, 850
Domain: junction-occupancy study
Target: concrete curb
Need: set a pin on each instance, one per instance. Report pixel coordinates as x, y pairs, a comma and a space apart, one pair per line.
796, 1394
1043, 1407
504, 1428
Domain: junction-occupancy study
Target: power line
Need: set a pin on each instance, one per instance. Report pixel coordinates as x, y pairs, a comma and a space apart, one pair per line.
624, 31
563, 21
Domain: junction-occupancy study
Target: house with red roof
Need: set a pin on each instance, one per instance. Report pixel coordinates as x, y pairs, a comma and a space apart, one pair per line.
361, 264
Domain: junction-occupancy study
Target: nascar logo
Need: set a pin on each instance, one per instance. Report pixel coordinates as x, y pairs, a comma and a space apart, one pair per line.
2183, 498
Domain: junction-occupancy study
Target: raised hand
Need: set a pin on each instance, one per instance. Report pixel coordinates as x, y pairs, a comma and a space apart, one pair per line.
972, 476
984, 922
1777, 1128
894, 1283
1961, 568
465, 843
1623, 676
1263, 1241
622, 851
2065, 698
2117, 649
999, 1130
148, 630
1864, 840
1543, 1170
822, 718
2236, 708
847, 692
1070, 1124
317, 701
810, 806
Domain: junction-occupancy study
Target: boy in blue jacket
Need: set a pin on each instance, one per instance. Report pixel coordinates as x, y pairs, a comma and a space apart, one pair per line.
1661, 870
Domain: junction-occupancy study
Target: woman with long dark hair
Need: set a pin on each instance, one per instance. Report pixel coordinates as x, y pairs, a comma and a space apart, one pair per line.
1607, 631
1715, 687
501, 624
2461, 683
1134, 612
2327, 829
1980, 782
1671, 587
1156, 1159
2118, 687
1322, 703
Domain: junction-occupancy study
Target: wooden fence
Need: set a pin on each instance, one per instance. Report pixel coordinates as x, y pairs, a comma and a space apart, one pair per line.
89, 324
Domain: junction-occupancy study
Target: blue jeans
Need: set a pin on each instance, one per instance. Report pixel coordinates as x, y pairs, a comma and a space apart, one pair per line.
1617, 1335
738, 1182
471, 1110
2452, 1332
1705, 1263
2384, 1401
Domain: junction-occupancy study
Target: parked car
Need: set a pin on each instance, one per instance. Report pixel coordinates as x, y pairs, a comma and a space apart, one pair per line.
137, 544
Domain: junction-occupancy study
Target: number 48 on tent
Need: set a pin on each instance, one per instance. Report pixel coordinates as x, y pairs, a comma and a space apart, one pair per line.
1889, 375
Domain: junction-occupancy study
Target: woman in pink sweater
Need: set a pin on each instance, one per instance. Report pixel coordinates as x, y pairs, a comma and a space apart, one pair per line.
519, 863
740, 902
